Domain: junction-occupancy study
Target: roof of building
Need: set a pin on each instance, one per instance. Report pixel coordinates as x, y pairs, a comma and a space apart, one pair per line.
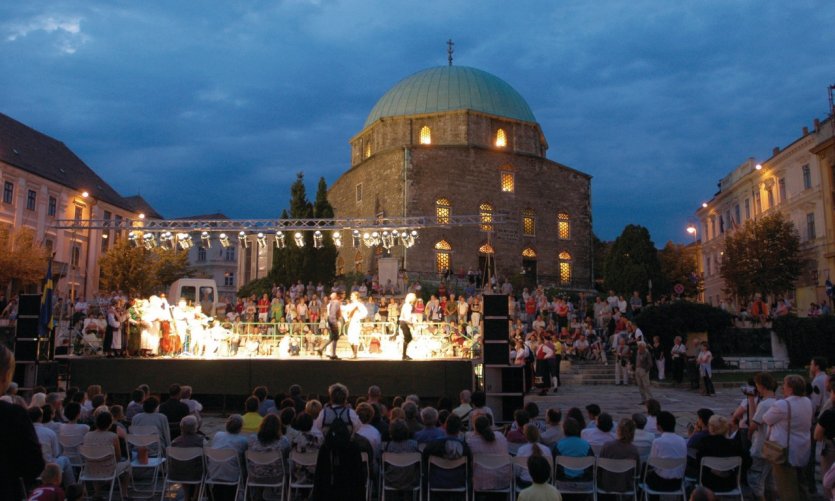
207, 217
450, 88
141, 205
44, 156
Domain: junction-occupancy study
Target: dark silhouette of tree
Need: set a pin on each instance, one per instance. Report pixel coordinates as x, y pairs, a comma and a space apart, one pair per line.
632, 262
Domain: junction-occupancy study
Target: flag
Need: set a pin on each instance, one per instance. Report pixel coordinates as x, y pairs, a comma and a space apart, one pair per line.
46, 322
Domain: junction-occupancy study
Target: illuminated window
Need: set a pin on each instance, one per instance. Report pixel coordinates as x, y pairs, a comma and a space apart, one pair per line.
359, 192
564, 226
367, 149
501, 138
443, 256
565, 267
486, 249
508, 182
340, 265
528, 222
486, 212
529, 253
425, 135
443, 209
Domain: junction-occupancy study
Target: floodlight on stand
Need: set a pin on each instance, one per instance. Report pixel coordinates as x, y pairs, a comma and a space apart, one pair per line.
243, 240
262, 240
205, 240
337, 239
224, 241
387, 240
356, 238
280, 241
149, 241
317, 240
299, 239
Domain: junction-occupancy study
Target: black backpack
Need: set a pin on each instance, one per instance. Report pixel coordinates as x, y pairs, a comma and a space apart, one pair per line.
339, 464
339, 432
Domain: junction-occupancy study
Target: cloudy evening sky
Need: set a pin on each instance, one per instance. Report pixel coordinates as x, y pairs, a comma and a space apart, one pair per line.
215, 105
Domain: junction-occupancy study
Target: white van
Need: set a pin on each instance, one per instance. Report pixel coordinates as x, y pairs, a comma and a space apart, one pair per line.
202, 291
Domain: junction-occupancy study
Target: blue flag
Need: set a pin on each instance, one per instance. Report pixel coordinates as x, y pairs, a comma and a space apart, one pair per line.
46, 322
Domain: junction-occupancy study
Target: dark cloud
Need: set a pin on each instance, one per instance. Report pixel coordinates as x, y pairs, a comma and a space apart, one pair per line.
213, 106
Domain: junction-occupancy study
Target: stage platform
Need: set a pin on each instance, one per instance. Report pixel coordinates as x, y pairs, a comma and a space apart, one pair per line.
236, 377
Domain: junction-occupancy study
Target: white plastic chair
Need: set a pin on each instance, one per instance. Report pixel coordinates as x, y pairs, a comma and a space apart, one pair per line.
521, 463
101, 465
401, 460
447, 464
723, 465
306, 460
492, 464
179, 458
216, 459
258, 462
616, 467
568, 486
155, 461
654, 463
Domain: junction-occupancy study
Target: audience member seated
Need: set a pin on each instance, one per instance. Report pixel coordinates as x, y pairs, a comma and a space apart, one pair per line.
430, 431
531, 448
620, 448
516, 433
194, 407
264, 403
479, 402
102, 435
464, 409
412, 417
643, 437
449, 447
135, 405
553, 428
252, 419
484, 440
593, 411
50, 447
540, 489
577, 415
188, 438
338, 408
150, 417
573, 446
401, 477
667, 446
600, 434
718, 445
269, 439
653, 408
365, 412
72, 411
229, 471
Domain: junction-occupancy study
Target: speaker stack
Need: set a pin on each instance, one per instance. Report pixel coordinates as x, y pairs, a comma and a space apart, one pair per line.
503, 382
33, 353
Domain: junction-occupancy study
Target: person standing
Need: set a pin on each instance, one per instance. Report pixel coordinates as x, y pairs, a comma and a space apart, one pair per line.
817, 372
334, 315
622, 354
678, 354
544, 355
704, 360
406, 322
760, 477
643, 364
659, 356
354, 313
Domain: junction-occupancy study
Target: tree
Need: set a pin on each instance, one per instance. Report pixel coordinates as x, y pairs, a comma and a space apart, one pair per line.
678, 266
139, 271
601, 251
632, 262
22, 259
763, 256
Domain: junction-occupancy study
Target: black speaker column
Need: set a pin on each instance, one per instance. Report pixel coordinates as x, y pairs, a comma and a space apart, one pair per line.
503, 382
33, 353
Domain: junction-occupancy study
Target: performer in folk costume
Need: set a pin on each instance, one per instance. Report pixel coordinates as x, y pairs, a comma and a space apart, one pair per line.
134, 326
353, 314
151, 325
334, 312
406, 322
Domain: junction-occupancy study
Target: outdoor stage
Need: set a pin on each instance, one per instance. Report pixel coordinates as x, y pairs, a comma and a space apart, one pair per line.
238, 376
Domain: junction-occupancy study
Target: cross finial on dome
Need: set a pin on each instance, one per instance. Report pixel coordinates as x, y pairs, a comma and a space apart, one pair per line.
449, 50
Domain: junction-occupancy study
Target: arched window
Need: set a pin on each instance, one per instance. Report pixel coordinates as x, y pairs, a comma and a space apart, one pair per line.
565, 267
501, 138
528, 253
486, 249
564, 226
443, 256
528, 222
507, 179
340, 265
367, 148
425, 135
485, 210
443, 210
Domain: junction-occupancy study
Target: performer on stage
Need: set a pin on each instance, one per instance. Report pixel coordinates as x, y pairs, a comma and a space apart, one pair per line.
334, 314
353, 314
406, 322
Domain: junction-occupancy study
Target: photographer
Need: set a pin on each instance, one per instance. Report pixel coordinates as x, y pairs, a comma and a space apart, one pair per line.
760, 478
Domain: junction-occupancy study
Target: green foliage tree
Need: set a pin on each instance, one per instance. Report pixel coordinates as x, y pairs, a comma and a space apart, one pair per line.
601, 251
763, 256
632, 262
678, 266
22, 259
139, 271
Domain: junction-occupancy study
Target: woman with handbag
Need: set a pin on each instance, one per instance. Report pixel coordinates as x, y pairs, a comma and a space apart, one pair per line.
787, 446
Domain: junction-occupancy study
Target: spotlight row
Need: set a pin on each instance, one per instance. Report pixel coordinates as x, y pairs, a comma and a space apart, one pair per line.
387, 239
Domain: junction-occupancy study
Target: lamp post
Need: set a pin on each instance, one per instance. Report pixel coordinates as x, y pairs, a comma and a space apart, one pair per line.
691, 229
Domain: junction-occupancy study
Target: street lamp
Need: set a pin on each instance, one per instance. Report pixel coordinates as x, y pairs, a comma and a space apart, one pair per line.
691, 229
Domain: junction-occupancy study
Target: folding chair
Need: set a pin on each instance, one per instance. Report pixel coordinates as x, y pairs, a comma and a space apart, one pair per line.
401, 460
101, 465
595, 448
493, 464
520, 463
579, 486
616, 467
264, 470
216, 460
181, 469
148, 430
307, 462
723, 465
447, 464
69, 446
155, 461
366, 464
654, 463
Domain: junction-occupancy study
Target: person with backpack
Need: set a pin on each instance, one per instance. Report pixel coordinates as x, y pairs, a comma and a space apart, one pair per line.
339, 468
452, 446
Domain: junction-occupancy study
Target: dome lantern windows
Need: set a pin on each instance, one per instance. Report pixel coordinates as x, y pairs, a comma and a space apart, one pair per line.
425, 135
501, 139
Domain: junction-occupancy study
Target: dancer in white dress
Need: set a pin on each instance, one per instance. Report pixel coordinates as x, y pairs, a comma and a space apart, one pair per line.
353, 314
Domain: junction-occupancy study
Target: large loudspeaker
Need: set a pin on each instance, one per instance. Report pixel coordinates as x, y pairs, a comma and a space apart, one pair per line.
29, 304
496, 329
495, 305
496, 354
28, 346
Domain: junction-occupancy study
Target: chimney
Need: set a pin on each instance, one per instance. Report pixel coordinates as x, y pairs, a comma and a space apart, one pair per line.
805, 131
775, 151
817, 124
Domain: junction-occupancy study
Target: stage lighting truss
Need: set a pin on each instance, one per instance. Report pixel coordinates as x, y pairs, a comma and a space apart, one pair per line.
298, 237
280, 240
243, 240
224, 241
317, 240
205, 240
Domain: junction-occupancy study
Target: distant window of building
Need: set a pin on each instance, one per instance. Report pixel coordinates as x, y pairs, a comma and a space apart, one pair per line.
107, 215
807, 177
810, 226
79, 213
229, 279
201, 254
359, 192
105, 240
31, 199
783, 195
443, 211
528, 253
485, 210
425, 135
564, 226
758, 203
52, 209
770, 193
529, 222
486, 249
443, 256
367, 148
747, 209
117, 223
737, 218
501, 138
230, 254
565, 267
75, 255
508, 181
8, 192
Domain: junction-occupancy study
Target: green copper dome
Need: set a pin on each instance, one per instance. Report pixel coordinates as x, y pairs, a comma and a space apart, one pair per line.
448, 88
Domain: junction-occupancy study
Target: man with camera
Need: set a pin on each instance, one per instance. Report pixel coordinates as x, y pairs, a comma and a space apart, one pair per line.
760, 398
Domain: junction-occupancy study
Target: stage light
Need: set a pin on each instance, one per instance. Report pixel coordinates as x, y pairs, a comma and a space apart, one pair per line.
759, 166
185, 241
317, 240
243, 240
224, 241
356, 238
133, 238
262, 240
280, 242
166, 239
141, 215
337, 239
149, 241
387, 240
299, 238
408, 238
371, 239
205, 240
